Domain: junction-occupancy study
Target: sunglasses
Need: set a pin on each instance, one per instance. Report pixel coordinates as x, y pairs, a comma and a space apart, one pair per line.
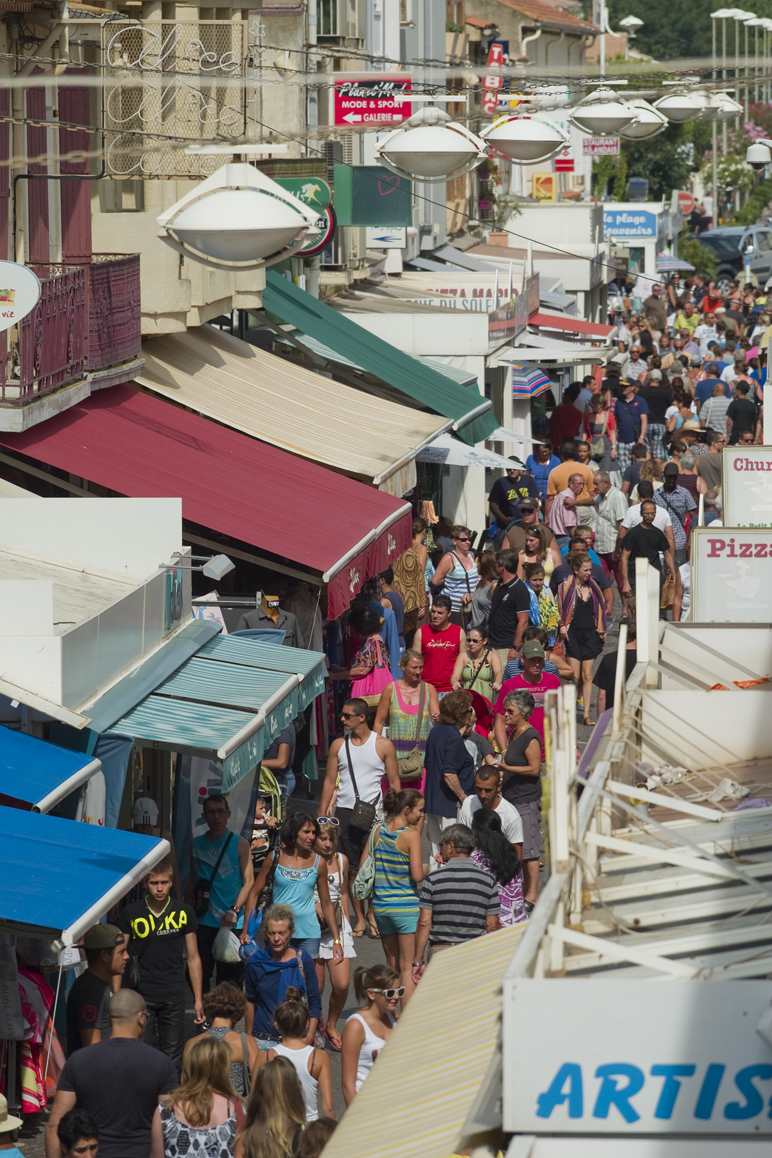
390, 994
348, 715
461, 539
331, 820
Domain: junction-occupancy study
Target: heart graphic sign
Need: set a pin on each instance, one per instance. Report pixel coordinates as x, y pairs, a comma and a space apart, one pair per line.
387, 185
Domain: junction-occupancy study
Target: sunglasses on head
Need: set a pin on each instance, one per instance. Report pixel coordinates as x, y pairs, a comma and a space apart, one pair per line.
331, 820
390, 994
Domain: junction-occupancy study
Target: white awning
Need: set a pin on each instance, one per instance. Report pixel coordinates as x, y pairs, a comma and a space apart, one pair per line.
548, 350
452, 452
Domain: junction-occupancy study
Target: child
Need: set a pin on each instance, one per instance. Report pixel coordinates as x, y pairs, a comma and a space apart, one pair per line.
261, 843
544, 611
312, 1065
340, 974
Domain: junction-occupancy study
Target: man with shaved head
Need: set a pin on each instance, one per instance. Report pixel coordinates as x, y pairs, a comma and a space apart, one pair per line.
119, 1081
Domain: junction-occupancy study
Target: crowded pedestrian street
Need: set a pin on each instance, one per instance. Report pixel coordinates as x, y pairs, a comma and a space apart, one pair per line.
384, 531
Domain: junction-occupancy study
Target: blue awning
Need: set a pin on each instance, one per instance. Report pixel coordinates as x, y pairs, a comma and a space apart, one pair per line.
228, 702
40, 774
59, 877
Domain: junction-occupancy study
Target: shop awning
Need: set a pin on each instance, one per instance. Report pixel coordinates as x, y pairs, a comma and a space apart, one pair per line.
540, 348
142, 447
308, 666
462, 377
452, 452
285, 404
569, 325
472, 415
39, 774
59, 877
436, 1102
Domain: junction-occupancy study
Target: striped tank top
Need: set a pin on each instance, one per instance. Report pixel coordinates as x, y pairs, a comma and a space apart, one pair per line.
395, 890
455, 581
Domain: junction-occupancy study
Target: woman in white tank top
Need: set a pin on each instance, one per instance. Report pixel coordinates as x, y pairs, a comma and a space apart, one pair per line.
312, 1065
367, 1032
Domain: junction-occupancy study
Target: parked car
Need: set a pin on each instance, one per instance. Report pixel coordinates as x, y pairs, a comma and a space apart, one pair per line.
728, 244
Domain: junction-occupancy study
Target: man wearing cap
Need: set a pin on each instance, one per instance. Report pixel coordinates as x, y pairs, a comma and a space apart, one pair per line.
507, 493
89, 999
7, 1125
533, 679
529, 517
631, 415
679, 504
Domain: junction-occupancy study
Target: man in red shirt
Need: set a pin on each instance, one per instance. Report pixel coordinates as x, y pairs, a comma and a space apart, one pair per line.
532, 679
440, 642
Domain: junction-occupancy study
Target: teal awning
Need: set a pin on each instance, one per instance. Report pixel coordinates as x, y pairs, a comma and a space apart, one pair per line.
472, 415
309, 665
462, 377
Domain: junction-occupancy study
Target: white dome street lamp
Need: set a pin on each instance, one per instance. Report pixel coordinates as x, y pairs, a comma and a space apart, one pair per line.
430, 146
237, 219
727, 108
602, 113
650, 122
526, 139
684, 106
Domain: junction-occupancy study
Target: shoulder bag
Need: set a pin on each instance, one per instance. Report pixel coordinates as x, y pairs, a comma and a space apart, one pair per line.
202, 889
363, 885
411, 765
245, 1064
466, 608
598, 444
363, 813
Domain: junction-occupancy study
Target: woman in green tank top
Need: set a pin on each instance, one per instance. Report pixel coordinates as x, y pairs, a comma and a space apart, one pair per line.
399, 869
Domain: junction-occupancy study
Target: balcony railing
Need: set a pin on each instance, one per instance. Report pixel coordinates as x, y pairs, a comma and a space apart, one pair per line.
87, 319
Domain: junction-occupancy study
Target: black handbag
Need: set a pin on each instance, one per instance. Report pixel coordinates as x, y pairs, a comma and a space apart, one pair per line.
363, 813
202, 889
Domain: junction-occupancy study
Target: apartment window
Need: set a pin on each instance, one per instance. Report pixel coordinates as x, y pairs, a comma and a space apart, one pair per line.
328, 18
121, 196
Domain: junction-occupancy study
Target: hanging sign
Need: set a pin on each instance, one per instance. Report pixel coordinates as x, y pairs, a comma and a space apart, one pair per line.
600, 146
19, 293
747, 490
731, 575
327, 226
371, 101
564, 162
310, 190
493, 83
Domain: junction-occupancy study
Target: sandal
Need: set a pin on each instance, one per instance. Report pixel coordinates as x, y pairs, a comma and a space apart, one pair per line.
333, 1042
588, 723
357, 932
372, 930
529, 906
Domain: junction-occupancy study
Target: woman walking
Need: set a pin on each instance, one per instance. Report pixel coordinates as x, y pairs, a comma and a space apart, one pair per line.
409, 579
340, 971
399, 868
370, 669
224, 1007
601, 432
311, 1065
540, 549
540, 463
398, 708
480, 669
582, 612
521, 783
457, 576
495, 854
481, 600
449, 766
294, 870
276, 1113
367, 1031
204, 1113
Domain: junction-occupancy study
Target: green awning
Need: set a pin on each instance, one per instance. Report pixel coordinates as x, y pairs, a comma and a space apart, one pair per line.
463, 377
465, 407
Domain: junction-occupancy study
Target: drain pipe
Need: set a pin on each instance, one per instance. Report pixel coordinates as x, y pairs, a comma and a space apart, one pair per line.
527, 40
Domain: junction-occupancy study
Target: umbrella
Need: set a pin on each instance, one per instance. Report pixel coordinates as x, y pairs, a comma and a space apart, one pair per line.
528, 381
667, 264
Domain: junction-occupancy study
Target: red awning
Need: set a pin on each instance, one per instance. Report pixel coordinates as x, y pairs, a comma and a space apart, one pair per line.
145, 448
570, 325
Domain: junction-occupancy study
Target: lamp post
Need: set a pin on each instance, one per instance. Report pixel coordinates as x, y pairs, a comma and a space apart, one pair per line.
741, 17
755, 22
721, 14
631, 24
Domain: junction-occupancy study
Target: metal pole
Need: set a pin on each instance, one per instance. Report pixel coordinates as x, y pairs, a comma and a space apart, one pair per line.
737, 61
602, 37
723, 78
747, 73
714, 146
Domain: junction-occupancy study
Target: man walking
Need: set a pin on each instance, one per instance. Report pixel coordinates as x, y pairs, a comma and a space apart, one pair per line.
631, 415
710, 464
563, 516
741, 415
89, 999
713, 412
510, 609
508, 492
679, 503
645, 542
356, 764
163, 931
221, 866
119, 1082
533, 679
458, 903
487, 796
440, 642
529, 518
611, 508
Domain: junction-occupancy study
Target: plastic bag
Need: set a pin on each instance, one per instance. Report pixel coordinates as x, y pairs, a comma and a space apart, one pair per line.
226, 947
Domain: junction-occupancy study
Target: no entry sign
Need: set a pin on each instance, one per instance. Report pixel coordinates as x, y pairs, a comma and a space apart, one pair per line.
372, 101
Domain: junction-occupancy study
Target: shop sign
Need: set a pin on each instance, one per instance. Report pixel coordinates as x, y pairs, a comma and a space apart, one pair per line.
600, 146
747, 489
731, 576
371, 101
626, 1058
312, 191
629, 223
564, 162
19, 293
544, 187
326, 228
493, 82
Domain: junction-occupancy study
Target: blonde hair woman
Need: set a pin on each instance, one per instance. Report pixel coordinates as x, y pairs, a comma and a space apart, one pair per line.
276, 1114
204, 1113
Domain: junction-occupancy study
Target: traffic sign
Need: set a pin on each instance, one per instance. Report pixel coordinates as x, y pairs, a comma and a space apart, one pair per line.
564, 162
685, 202
600, 146
327, 226
371, 101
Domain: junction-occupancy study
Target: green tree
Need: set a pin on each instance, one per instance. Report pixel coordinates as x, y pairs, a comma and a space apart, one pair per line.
698, 255
678, 29
669, 159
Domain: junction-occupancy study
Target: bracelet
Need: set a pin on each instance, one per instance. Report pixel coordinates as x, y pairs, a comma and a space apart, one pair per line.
417, 964
336, 942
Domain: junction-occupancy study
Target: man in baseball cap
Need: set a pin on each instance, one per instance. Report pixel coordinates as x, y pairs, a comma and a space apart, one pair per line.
89, 999
530, 508
7, 1125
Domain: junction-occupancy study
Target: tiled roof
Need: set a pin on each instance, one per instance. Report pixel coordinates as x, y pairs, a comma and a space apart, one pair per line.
476, 21
544, 13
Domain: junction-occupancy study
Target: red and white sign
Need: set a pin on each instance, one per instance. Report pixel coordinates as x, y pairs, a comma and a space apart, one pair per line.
685, 203
372, 101
19, 293
492, 84
600, 146
564, 162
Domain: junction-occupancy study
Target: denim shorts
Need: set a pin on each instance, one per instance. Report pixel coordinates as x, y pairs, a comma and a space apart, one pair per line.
309, 945
395, 922
266, 1043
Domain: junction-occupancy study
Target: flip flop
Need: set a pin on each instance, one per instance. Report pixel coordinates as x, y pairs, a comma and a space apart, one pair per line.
357, 932
588, 723
372, 932
333, 1042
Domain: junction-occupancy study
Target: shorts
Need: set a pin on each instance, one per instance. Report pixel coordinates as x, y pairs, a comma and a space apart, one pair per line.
655, 439
530, 814
624, 455
308, 945
400, 923
351, 841
583, 643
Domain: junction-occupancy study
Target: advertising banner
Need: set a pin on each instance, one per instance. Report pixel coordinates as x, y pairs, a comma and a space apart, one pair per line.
747, 486
731, 575
19, 293
371, 100
620, 223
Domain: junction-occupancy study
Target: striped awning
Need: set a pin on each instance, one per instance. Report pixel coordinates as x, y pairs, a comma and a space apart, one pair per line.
309, 665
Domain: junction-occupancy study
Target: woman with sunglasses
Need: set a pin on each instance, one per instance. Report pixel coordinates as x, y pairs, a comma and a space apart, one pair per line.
456, 576
367, 1031
340, 971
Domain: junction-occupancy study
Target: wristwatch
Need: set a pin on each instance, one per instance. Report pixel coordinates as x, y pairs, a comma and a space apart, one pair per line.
336, 942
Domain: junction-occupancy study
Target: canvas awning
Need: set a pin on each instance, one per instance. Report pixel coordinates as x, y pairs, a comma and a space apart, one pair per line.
38, 774
569, 325
285, 404
60, 877
143, 447
462, 377
543, 349
472, 415
452, 452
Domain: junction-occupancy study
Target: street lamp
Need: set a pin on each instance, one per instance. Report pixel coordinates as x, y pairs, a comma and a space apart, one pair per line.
526, 139
684, 106
430, 146
631, 24
237, 219
602, 113
650, 121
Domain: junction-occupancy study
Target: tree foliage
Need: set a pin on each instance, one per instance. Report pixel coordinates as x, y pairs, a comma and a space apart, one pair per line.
669, 159
675, 29
698, 255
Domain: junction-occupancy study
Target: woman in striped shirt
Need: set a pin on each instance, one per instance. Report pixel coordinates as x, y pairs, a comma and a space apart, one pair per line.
457, 576
398, 870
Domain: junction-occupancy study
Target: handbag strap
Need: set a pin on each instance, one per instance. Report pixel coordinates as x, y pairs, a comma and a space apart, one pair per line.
420, 716
351, 769
466, 573
245, 1063
219, 860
